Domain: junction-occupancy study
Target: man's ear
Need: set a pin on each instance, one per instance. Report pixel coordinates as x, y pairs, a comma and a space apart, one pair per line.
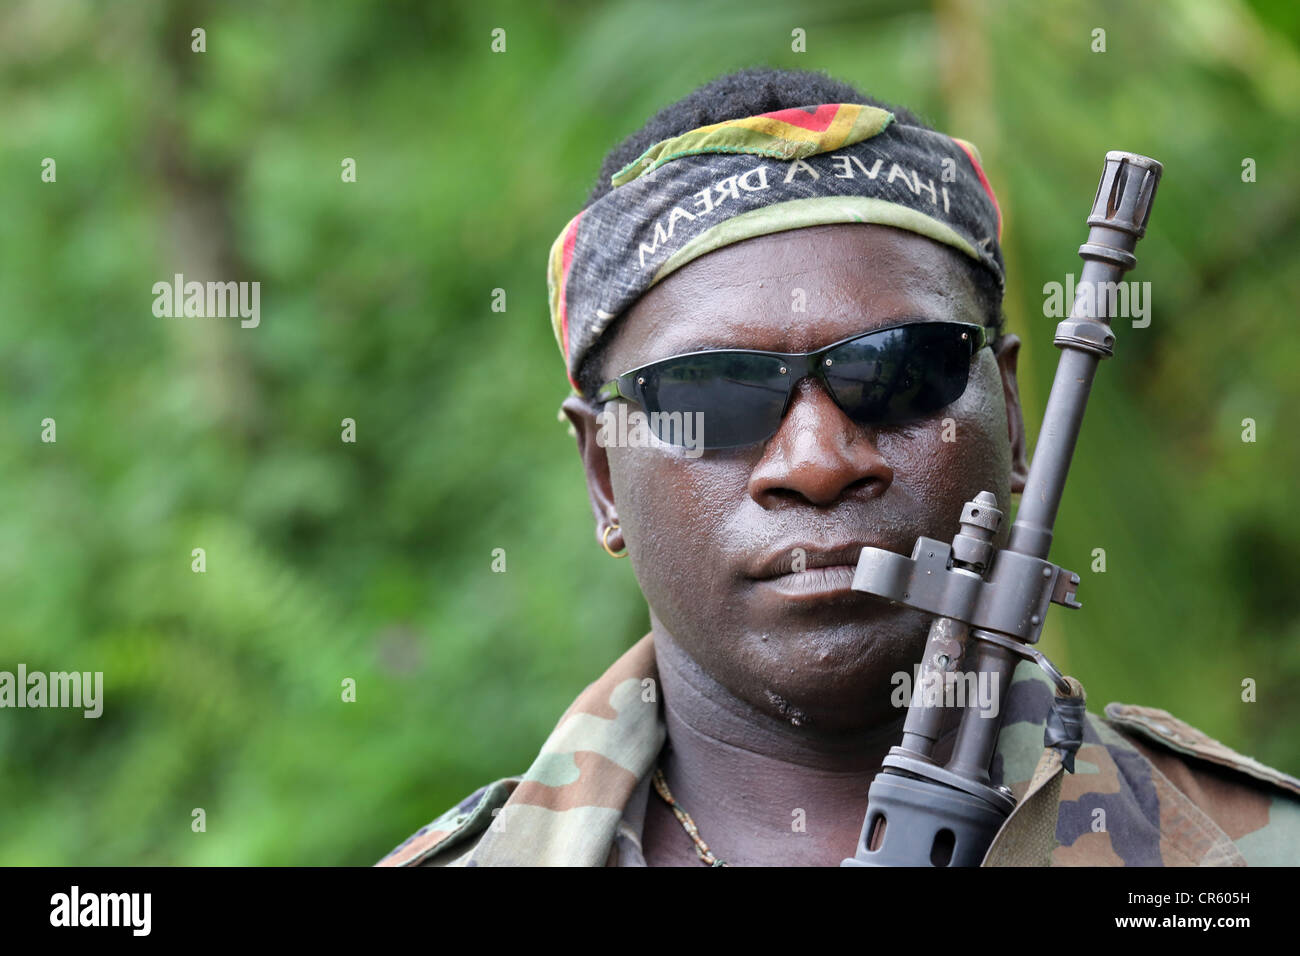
595, 463
1008, 355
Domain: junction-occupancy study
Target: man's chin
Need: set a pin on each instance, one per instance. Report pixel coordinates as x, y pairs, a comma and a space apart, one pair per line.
849, 716
835, 678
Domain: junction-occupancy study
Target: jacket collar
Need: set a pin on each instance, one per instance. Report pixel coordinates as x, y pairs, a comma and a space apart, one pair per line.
583, 800
568, 806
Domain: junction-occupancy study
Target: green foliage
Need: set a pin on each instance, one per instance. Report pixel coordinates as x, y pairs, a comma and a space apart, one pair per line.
328, 560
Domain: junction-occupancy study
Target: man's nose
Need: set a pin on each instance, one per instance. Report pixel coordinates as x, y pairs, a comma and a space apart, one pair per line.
818, 455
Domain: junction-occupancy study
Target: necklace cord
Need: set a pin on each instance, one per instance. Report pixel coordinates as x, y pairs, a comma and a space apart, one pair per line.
701, 848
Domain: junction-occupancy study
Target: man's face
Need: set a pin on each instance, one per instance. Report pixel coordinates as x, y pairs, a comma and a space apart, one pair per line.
710, 536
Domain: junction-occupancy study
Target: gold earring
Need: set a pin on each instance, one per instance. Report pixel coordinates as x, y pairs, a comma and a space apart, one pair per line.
604, 539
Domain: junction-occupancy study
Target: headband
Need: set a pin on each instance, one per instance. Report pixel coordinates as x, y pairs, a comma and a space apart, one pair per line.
719, 184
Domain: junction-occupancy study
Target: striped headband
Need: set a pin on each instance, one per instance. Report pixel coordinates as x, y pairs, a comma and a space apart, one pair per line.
719, 184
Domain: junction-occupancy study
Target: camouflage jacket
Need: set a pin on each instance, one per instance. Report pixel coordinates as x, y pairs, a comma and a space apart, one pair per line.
1171, 796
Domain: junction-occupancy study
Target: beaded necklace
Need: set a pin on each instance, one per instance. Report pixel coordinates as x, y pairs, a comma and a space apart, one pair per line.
701, 848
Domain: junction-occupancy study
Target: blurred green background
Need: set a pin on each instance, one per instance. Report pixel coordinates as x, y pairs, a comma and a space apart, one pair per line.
371, 560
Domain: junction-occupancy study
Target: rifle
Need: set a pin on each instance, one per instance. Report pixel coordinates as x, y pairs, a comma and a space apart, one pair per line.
989, 603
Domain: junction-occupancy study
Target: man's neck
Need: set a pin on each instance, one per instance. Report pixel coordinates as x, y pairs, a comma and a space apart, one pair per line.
761, 791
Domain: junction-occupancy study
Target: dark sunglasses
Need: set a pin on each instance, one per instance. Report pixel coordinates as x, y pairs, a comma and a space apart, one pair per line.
888, 376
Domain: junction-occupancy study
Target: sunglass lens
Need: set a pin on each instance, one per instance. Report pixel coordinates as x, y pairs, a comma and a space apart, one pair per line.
900, 375
733, 398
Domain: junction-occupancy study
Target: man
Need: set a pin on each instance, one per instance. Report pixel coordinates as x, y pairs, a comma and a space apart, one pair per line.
784, 212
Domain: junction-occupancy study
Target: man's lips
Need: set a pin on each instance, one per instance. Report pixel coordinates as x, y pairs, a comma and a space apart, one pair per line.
813, 583
809, 572
809, 557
